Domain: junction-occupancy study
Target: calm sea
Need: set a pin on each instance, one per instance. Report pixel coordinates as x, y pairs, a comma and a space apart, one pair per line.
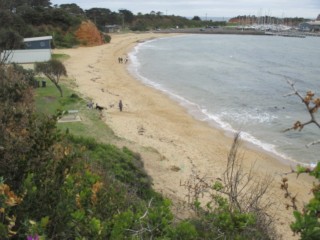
238, 83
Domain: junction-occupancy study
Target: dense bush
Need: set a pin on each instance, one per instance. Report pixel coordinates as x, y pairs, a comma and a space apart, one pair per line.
31, 21
107, 38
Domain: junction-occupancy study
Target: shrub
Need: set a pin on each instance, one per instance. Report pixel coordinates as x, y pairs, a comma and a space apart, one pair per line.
8, 200
235, 208
107, 38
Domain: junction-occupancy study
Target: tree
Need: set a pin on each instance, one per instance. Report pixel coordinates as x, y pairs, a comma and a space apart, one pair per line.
54, 70
72, 8
31, 3
128, 16
39, 3
9, 40
196, 18
100, 16
6, 4
14, 22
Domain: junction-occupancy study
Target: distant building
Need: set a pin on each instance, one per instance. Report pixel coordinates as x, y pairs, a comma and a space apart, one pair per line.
36, 49
318, 18
112, 28
312, 26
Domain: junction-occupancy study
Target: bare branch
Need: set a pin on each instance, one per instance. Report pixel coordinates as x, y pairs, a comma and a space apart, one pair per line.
146, 213
293, 199
299, 125
312, 105
245, 191
5, 56
295, 91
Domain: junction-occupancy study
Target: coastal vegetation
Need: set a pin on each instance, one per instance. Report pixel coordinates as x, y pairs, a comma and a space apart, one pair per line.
30, 18
63, 181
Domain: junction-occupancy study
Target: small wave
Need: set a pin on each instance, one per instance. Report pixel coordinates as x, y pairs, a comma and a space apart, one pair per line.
217, 120
245, 136
248, 117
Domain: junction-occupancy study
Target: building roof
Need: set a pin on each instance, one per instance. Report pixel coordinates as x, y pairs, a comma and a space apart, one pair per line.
112, 26
37, 39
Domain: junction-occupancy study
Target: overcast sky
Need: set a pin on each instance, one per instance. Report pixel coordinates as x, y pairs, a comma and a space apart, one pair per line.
209, 8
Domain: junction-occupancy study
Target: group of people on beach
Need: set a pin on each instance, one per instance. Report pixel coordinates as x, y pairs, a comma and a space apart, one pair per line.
122, 60
90, 105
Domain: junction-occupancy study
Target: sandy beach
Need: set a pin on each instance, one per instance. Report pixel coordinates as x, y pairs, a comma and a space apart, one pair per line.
151, 119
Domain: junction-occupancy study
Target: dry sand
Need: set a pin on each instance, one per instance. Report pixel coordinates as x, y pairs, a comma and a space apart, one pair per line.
152, 119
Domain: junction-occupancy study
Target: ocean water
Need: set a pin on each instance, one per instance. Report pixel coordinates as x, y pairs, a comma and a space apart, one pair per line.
239, 83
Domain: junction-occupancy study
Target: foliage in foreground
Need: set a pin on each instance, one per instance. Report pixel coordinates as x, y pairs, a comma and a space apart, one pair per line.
307, 220
233, 206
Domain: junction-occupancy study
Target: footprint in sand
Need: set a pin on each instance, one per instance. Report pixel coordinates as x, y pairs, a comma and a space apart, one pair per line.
141, 130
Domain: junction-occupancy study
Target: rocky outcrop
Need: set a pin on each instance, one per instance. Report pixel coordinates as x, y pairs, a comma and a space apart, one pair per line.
89, 35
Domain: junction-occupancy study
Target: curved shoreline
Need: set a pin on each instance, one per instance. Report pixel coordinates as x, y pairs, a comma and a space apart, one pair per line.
183, 141
211, 120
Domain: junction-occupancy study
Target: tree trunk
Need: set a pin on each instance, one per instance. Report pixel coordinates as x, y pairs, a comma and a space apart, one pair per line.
59, 88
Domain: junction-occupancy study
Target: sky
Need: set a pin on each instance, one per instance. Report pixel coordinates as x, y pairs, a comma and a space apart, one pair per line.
208, 8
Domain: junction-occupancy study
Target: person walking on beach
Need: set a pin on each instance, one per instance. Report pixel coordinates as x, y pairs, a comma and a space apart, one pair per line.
120, 106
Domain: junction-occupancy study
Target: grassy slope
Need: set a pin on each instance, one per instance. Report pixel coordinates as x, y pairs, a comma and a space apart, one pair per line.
48, 100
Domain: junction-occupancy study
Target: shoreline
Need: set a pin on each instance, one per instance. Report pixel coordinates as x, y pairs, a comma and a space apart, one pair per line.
151, 119
251, 142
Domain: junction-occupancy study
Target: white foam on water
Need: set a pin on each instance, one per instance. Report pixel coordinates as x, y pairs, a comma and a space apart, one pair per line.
222, 119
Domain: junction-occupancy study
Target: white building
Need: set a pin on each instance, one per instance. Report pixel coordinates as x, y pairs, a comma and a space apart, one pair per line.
37, 49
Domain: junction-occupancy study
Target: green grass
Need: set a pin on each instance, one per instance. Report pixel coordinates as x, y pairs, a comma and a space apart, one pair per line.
60, 56
48, 98
48, 101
